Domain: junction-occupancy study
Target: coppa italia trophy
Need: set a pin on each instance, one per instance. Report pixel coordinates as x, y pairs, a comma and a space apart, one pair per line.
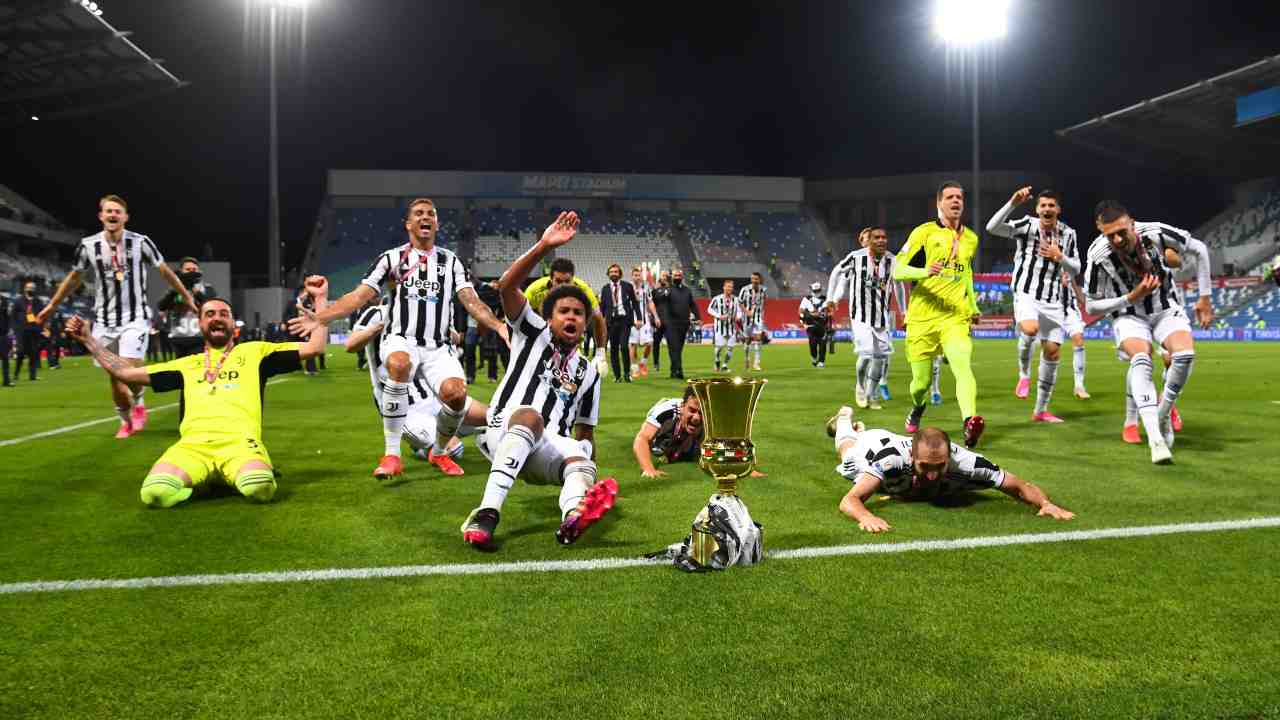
723, 533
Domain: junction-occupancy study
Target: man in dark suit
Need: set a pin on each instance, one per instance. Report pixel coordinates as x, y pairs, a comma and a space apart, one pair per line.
678, 309
27, 329
621, 313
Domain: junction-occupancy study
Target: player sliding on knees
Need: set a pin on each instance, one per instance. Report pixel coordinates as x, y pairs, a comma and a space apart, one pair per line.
420, 420
220, 437
426, 283
548, 388
923, 466
1128, 276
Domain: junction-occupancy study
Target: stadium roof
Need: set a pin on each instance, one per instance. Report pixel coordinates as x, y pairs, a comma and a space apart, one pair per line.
1192, 129
60, 58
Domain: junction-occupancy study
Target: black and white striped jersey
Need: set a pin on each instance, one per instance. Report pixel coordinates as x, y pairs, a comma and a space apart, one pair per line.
868, 282
424, 286
662, 411
561, 383
120, 296
418, 391
886, 456
644, 294
1109, 274
725, 311
1034, 275
752, 300
1188, 248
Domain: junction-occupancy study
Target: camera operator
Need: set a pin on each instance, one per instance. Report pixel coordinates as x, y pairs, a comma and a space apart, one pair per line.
184, 325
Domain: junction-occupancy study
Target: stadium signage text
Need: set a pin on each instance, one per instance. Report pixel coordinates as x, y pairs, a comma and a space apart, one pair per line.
574, 184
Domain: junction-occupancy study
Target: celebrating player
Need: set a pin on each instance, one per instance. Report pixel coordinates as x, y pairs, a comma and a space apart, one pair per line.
642, 336
420, 420
119, 259
726, 314
425, 281
938, 257
1127, 276
547, 388
752, 300
924, 466
1044, 247
867, 274
672, 431
220, 437
562, 270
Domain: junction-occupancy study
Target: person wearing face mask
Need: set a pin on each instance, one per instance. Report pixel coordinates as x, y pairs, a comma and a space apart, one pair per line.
184, 325
678, 309
27, 330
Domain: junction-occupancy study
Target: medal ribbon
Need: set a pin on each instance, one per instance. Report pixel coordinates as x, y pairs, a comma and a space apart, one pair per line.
117, 256
211, 375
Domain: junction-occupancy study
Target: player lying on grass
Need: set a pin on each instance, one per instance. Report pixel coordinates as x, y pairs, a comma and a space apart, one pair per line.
220, 436
548, 386
672, 431
924, 466
424, 406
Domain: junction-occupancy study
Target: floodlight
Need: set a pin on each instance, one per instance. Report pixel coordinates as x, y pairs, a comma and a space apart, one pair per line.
286, 3
963, 23
35, 117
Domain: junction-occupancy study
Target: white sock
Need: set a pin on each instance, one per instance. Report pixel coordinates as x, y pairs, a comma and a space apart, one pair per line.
1077, 366
447, 422
137, 396
728, 356
395, 407
1024, 355
1048, 379
884, 376
513, 450
1130, 407
579, 476
755, 349
864, 369
1143, 391
719, 352
124, 415
1175, 378
937, 374
875, 374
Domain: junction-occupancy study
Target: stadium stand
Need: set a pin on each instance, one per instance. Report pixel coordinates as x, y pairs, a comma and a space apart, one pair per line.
1264, 312
593, 254
719, 237
791, 237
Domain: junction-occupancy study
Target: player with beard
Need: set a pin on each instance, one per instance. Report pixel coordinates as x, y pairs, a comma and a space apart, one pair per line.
426, 283
220, 436
923, 466
672, 431
548, 390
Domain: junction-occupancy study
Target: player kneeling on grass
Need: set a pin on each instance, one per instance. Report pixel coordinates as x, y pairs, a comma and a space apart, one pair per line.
923, 466
548, 386
424, 406
221, 430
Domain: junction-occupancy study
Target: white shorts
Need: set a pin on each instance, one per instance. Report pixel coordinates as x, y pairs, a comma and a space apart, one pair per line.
1050, 317
1156, 327
1074, 324
128, 341
723, 340
546, 460
754, 328
642, 335
433, 365
870, 341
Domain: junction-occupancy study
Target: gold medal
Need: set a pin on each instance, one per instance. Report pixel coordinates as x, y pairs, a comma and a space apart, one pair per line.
119, 276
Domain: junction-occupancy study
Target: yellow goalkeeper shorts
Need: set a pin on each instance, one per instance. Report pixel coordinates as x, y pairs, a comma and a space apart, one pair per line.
925, 340
218, 458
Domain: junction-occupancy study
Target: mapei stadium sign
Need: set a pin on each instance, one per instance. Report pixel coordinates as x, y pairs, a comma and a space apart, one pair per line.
574, 185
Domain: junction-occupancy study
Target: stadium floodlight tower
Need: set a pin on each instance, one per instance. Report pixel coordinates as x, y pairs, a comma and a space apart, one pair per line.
274, 8
967, 26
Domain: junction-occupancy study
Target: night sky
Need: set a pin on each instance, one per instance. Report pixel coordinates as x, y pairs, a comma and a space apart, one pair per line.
819, 90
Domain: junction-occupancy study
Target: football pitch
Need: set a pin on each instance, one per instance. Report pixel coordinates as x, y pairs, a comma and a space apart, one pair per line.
1105, 624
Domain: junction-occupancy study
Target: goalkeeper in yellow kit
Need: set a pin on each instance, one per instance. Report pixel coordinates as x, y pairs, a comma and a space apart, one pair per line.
938, 258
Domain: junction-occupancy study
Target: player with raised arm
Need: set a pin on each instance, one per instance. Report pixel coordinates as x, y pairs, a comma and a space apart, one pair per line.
923, 466
938, 259
1127, 275
426, 283
548, 390
752, 299
1044, 248
562, 270
118, 259
420, 420
867, 276
726, 314
220, 436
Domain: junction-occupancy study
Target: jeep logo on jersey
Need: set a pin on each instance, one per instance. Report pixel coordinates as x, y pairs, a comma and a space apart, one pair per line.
567, 379
224, 375
430, 287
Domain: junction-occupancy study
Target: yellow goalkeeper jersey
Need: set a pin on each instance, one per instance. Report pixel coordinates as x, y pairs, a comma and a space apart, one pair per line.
538, 289
949, 294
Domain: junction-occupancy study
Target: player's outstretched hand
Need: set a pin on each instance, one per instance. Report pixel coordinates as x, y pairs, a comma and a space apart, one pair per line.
1050, 510
78, 328
873, 524
1204, 312
317, 286
42, 317
758, 474
305, 323
652, 474
562, 230
1020, 196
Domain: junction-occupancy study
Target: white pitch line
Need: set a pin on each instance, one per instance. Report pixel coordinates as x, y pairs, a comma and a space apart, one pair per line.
99, 421
400, 571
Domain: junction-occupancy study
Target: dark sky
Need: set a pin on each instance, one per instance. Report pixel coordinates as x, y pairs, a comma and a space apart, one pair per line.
821, 89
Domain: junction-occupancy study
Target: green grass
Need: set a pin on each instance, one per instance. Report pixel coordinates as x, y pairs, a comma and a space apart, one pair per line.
1170, 626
